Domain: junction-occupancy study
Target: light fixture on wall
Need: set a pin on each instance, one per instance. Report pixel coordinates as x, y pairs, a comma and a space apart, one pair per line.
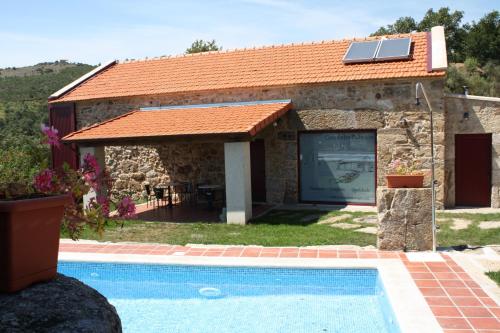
466, 116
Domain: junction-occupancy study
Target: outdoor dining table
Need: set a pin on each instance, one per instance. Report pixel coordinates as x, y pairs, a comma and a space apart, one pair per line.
209, 192
168, 186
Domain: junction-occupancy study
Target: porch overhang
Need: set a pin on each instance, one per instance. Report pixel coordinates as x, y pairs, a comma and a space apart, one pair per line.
224, 122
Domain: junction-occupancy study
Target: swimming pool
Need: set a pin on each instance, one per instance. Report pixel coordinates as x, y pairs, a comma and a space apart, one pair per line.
182, 298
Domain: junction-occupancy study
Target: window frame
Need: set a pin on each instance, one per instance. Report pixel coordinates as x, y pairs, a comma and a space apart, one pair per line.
299, 185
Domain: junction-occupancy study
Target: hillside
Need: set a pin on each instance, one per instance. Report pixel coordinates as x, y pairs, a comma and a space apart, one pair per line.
41, 68
24, 92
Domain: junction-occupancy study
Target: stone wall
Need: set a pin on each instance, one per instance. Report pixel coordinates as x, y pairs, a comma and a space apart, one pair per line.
484, 117
133, 166
404, 219
387, 106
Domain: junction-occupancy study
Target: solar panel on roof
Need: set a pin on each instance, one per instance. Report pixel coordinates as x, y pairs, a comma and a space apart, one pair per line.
361, 51
398, 48
378, 50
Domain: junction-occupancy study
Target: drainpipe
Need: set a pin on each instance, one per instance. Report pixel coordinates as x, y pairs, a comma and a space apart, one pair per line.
433, 181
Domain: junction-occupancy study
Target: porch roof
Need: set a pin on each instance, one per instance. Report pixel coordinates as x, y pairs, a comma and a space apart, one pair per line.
238, 121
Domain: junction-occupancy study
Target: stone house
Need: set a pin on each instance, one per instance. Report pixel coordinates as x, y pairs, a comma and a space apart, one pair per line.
280, 124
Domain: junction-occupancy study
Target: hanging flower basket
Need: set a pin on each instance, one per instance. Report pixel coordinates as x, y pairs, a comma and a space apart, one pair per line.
405, 181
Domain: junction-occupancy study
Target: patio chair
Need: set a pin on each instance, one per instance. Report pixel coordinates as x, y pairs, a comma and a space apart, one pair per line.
159, 195
183, 193
150, 196
199, 195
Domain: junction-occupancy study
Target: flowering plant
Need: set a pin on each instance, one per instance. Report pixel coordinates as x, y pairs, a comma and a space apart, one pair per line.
401, 168
75, 183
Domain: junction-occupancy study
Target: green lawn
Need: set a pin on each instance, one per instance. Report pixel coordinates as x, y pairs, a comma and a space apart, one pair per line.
495, 276
286, 228
279, 228
473, 235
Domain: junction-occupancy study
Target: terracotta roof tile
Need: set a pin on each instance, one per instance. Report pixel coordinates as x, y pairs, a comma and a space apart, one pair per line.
235, 119
256, 67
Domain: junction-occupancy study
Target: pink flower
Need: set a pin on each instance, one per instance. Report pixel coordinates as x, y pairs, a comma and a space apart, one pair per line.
395, 164
90, 163
44, 181
51, 135
126, 208
103, 201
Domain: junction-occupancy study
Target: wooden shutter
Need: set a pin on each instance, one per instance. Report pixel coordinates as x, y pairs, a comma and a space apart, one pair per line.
62, 117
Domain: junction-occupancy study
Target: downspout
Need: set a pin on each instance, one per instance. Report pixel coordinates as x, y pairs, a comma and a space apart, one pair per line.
433, 181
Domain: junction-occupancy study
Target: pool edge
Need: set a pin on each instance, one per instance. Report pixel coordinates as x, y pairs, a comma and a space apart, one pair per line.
409, 306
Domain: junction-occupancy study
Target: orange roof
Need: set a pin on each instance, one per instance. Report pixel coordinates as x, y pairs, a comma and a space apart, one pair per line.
258, 67
239, 120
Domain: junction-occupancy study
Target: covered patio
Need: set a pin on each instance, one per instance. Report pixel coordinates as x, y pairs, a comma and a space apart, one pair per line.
230, 126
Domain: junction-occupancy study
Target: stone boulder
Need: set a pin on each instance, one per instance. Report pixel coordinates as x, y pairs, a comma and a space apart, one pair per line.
404, 219
61, 305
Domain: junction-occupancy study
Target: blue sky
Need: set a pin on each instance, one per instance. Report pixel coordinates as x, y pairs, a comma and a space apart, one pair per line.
95, 31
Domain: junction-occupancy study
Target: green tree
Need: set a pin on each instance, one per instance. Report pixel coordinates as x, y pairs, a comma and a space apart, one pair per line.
454, 32
402, 25
201, 45
483, 39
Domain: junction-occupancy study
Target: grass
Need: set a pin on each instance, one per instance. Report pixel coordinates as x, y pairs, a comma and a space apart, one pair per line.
473, 235
495, 276
279, 228
286, 228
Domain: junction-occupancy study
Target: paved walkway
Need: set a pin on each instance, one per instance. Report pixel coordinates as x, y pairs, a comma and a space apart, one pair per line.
458, 302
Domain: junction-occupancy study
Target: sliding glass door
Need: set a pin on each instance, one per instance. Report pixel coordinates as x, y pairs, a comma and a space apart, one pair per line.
337, 167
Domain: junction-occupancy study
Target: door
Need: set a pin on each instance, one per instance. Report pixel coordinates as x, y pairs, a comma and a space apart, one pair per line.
473, 170
258, 166
62, 117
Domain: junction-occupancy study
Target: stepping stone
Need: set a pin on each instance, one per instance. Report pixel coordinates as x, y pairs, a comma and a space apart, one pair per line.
489, 225
310, 218
345, 226
368, 230
335, 219
369, 219
197, 236
460, 224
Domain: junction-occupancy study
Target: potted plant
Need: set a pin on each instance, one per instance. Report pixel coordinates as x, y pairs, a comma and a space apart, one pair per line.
32, 212
404, 175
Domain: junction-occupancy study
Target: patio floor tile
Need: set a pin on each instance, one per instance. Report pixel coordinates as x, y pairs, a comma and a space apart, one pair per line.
476, 311
455, 323
446, 311
485, 323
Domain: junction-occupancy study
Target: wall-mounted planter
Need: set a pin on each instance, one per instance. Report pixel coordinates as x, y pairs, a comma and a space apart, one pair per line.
29, 240
405, 181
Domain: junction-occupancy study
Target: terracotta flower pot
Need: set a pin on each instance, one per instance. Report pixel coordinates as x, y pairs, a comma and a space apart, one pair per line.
405, 181
29, 240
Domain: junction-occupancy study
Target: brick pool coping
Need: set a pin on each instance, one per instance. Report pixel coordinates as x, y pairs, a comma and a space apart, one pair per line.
458, 302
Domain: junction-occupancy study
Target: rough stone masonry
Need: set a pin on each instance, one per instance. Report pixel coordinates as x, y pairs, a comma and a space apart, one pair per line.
405, 219
388, 107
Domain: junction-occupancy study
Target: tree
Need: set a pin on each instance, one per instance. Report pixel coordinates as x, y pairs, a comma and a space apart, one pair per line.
483, 39
454, 32
402, 25
201, 45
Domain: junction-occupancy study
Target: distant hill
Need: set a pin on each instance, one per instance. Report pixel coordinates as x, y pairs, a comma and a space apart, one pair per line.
38, 69
23, 96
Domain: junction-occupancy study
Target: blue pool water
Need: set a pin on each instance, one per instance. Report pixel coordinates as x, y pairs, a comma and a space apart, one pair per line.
196, 299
